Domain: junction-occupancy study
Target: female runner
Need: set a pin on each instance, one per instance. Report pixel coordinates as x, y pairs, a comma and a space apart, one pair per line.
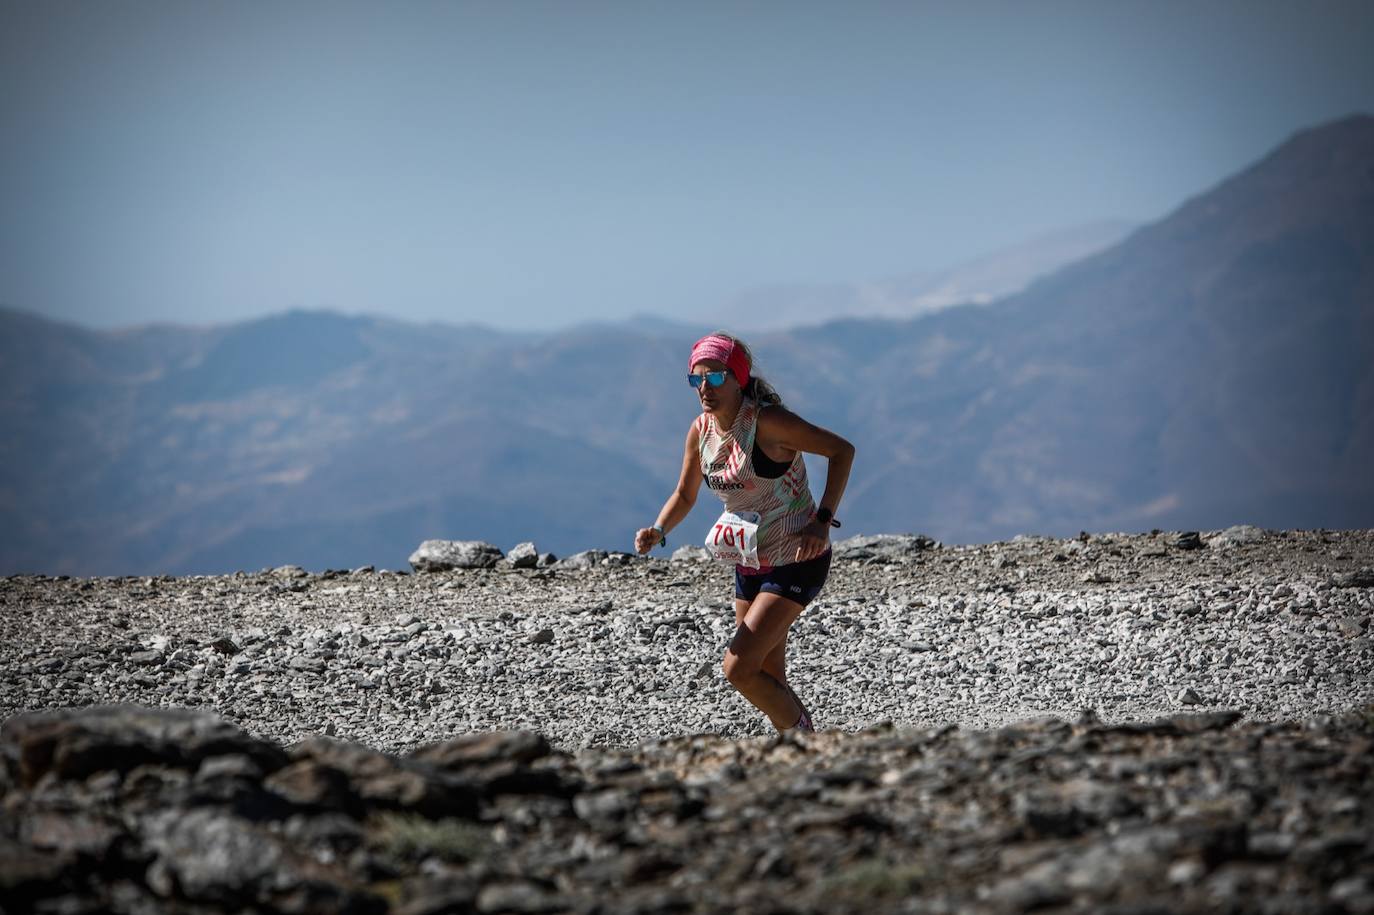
748, 448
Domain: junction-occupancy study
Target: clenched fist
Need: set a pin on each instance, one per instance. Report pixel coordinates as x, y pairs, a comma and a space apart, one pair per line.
646, 538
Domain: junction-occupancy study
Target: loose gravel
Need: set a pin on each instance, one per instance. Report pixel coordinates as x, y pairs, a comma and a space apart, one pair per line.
626, 650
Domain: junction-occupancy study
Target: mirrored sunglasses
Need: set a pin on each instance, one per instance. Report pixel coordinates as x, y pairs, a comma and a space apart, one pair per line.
713, 379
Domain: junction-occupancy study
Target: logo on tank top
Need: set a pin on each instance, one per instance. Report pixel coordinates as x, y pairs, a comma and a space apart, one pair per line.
721, 484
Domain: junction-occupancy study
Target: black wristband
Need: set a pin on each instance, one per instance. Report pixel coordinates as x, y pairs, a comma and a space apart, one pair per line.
826, 516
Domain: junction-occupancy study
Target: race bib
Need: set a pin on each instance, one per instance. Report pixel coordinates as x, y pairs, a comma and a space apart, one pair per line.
735, 538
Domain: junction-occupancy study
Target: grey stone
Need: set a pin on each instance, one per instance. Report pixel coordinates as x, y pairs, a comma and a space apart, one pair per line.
1363, 578
612, 803
523, 556
26, 872
444, 555
225, 645
1351, 626
211, 857
88, 835
439, 895
1071, 808
1198, 722
1188, 540
1237, 535
1352, 888
75, 743
1271, 844
381, 781
310, 783
521, 896
233, 765
587, 559
333, 831
484, 748
690, 552
888, 546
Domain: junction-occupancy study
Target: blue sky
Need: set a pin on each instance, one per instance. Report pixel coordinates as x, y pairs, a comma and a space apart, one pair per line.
529, 164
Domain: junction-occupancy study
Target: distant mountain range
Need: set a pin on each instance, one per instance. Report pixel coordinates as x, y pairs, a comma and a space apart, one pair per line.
985, 279
1212, 368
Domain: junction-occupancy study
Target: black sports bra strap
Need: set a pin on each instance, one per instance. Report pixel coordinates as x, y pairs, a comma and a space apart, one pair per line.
766, 467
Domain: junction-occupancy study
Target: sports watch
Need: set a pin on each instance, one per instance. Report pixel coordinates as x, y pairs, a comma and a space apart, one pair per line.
826, 516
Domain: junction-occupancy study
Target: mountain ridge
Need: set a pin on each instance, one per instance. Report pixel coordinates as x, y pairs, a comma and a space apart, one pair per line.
977, 281
1212, 368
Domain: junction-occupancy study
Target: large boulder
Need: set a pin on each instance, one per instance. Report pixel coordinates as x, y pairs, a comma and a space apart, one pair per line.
443, 555
212, 858
523, 556
890, 547
501, 762
75, 743
1236, 535
485, 747
351, 777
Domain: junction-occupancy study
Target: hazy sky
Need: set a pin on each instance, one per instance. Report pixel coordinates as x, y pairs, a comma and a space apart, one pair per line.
533, 164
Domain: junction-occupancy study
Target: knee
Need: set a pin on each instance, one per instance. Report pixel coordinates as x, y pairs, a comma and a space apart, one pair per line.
738, 668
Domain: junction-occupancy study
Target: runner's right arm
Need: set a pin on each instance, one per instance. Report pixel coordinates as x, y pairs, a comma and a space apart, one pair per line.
680, 503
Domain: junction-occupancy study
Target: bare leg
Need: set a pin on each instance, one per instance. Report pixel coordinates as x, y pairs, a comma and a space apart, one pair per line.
762, 630
775, 664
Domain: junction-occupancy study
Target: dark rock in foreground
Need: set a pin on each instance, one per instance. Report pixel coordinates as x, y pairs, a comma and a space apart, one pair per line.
126, 808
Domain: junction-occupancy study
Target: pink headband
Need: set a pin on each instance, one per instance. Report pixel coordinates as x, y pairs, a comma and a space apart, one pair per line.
722, 349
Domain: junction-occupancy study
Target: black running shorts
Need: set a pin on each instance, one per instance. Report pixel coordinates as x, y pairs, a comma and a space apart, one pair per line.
796, 581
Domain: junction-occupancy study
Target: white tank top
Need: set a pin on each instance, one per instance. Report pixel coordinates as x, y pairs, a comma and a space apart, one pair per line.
784, 504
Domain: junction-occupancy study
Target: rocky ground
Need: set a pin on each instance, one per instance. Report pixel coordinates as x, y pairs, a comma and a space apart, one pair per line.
611, 651
130, 809
654, 786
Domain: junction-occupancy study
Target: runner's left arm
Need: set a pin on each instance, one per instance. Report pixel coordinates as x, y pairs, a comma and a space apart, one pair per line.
780, 426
